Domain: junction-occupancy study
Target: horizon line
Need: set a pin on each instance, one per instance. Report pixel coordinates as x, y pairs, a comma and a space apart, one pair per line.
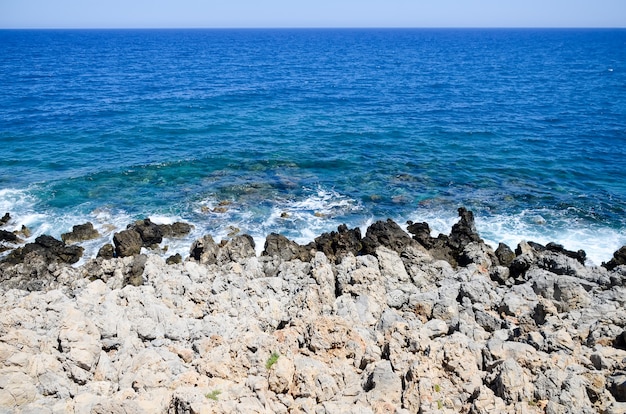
321, 28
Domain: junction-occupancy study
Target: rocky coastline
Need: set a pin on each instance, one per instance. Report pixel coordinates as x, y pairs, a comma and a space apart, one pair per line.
386, 322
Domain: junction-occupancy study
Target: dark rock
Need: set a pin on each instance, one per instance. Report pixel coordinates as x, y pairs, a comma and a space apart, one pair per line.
617, 386
174, 259
336, 245
106, 252
135, 276
80, 233
127, 243
178, 229
464, 231
149, 232
204, 250
277, 245
8, 236
505, 255
579, 255
619, 258
5, 219
448, 248
385, 233
49, 248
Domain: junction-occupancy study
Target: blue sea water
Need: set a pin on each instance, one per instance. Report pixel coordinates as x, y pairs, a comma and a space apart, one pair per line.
298, 131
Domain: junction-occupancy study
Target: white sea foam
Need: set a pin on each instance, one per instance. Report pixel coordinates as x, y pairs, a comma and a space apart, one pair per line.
540, 226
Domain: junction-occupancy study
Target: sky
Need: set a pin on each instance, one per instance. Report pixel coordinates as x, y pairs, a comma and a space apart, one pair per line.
310, 13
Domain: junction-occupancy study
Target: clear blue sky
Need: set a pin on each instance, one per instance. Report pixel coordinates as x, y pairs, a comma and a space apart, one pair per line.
311, 13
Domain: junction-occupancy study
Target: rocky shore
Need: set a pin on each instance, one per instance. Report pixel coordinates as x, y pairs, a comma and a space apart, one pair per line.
388, 322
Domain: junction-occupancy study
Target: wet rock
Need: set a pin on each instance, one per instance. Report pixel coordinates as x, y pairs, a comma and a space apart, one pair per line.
336, 245
175, 230
174, 259
619, 259
204, 250
79, 233
464, 231
49, 248
385, 233
127, 243
277, 245
5, 219
8, 236
106, 252
149, 232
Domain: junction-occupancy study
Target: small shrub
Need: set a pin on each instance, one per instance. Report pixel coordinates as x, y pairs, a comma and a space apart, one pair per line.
439, 404
272, 360
437, 388
213, 395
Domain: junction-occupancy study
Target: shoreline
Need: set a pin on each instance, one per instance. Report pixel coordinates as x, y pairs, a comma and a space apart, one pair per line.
376, 322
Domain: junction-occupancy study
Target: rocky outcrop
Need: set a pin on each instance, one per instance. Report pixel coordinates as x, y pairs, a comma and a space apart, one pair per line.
449, 248
79, 233
294, 330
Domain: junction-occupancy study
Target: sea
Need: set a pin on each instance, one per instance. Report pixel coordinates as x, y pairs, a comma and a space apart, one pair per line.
297, 131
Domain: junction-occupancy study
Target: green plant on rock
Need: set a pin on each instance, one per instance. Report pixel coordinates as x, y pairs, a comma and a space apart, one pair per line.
437, 388
213, 395
439, 405
272, 360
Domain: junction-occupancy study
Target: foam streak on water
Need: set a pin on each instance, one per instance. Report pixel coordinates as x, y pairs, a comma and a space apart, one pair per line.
298, 131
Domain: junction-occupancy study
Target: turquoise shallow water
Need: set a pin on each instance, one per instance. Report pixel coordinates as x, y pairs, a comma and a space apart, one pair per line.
525, 127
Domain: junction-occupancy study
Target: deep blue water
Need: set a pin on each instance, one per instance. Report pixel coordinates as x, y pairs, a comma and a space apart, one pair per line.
525, 127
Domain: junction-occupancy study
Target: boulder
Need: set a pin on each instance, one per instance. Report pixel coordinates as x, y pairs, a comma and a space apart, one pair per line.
5, 219
127, 243
204, 250
149, 232
505, 255
80, 233
579, 255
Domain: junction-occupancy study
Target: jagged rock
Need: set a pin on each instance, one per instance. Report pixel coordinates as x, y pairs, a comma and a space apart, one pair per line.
464, 231
579, 255
174, 259
8, 236
385, 233
336, 245
135, 276
204, 250
127, 243
505, 255
5, 219
237, 249
47, 247
80, 233
619, 259
617, 385
277, 245
174, 230
107, 251
149, 232
450, 248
